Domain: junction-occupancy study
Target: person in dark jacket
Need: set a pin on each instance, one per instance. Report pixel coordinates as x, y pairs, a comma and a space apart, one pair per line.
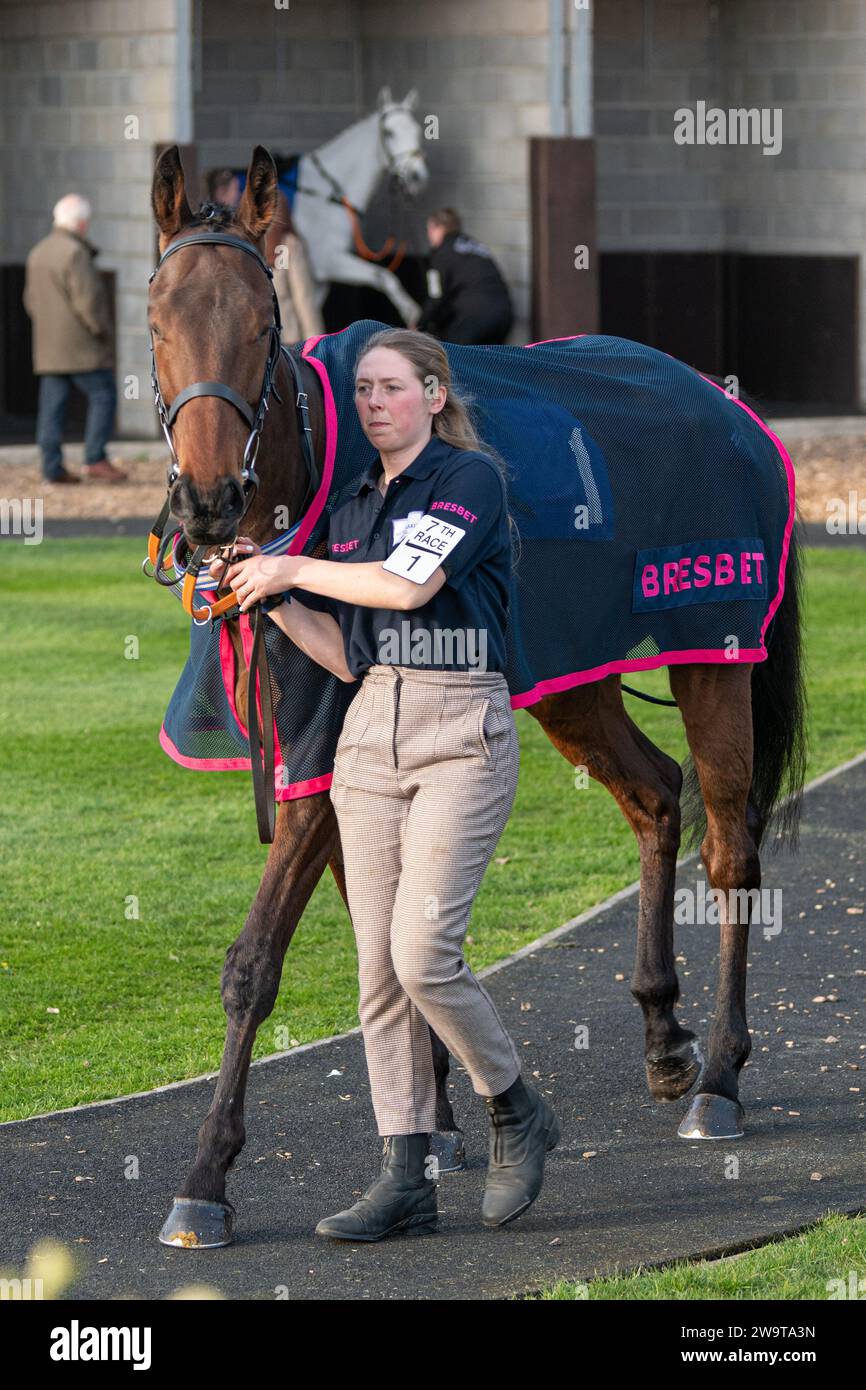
467, 298
73, 342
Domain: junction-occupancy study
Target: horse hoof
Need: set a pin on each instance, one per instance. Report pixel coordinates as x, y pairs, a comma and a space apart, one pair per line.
670, 1076
193, 1224
713, 1117
448, 1151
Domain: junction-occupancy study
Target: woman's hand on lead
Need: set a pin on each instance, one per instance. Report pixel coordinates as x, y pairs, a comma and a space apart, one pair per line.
243, 547
252, 576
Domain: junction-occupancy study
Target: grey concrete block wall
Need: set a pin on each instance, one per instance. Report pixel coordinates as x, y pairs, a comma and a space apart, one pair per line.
651, 57
809, 57
71, 75
806, 57
287, 79
73, 72
483, 70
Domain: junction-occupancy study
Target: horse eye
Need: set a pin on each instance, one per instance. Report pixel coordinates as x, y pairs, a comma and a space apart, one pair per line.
155, 331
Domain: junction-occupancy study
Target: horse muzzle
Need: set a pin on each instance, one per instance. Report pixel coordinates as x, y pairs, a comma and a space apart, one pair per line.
210, 516
414, 176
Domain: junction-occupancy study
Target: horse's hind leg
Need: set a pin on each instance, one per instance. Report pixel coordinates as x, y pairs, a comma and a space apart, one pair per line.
715, 702
590, 727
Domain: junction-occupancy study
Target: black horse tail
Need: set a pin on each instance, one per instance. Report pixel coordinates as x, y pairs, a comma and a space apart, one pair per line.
779, 712
779, 729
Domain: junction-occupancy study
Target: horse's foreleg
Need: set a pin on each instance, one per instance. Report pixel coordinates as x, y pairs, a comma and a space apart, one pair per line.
716, 706
591, 728
302, 846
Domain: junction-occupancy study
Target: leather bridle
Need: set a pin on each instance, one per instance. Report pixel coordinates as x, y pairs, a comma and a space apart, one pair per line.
161, 539
164, 540
255, 420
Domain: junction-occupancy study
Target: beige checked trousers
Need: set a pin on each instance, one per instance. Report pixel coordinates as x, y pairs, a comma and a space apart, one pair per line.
424, 781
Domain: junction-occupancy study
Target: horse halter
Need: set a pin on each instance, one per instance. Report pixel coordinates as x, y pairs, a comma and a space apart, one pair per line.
160, 541
255, 420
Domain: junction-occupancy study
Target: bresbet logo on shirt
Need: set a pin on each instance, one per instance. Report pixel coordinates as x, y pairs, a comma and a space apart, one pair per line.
77, 1343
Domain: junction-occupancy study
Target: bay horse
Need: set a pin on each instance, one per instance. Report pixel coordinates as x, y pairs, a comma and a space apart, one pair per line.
210, 313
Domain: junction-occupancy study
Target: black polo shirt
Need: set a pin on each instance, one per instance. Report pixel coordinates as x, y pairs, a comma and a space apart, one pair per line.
463, 626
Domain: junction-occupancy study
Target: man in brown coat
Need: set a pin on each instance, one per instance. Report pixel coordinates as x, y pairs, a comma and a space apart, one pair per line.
73, 342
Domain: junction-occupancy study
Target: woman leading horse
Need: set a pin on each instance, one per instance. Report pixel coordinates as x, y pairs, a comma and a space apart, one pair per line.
426, 766
744, 720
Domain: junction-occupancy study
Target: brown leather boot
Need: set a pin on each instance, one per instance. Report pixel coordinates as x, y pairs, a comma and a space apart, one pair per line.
104, 471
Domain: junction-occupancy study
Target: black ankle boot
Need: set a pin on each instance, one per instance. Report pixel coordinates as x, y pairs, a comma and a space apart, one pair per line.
401, 1199
522, 1129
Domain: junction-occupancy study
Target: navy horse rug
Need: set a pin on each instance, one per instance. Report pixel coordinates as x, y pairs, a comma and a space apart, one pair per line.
653, 513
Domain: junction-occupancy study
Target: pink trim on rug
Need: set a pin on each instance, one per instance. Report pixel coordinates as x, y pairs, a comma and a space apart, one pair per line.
703, 656
228, 670
331, 431
201, 764
792, 486
308, 788
569, 339
292, 792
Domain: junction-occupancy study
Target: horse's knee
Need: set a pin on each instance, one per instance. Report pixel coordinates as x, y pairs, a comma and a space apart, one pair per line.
733, 862
250, 982
658, 819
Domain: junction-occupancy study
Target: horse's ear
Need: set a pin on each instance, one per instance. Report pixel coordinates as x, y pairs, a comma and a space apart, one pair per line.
168, 194
384, 99
410, 99
259, 201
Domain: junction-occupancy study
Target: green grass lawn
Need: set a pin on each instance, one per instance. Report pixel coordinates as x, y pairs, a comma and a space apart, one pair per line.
801, 1267
94, 1003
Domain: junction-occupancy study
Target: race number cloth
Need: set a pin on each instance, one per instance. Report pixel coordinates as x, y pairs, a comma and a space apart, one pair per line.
653, 514
422, 548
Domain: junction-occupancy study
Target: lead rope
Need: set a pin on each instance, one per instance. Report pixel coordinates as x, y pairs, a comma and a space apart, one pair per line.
262, 759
